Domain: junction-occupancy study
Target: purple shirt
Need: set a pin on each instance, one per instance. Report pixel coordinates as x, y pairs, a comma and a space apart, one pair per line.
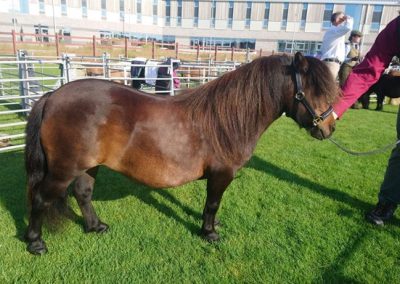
368, 72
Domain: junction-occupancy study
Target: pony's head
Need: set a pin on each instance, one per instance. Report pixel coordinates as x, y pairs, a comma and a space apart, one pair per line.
314, 92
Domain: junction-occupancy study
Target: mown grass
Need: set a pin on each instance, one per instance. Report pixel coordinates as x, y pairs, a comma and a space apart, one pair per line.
293, 214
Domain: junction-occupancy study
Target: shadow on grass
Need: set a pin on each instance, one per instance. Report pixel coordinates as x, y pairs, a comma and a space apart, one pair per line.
13, 188
337, 195
105, 189
13, 194
333, 273
381, 111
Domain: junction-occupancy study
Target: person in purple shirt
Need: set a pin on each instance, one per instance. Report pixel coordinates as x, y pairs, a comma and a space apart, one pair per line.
363, 76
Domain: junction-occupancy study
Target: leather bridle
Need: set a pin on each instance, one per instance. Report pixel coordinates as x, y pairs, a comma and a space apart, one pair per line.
301, 98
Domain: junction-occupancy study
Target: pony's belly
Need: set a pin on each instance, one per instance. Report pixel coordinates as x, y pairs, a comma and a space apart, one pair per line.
161, 176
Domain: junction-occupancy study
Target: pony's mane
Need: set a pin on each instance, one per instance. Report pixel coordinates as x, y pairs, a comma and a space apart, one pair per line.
229, 109
319, 79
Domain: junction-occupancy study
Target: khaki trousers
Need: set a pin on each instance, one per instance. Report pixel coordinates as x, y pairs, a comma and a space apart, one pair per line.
334, 68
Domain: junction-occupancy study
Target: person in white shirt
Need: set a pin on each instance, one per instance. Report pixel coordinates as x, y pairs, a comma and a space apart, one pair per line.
333, 50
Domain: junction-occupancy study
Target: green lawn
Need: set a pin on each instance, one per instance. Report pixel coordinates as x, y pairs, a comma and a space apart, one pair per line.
294, 214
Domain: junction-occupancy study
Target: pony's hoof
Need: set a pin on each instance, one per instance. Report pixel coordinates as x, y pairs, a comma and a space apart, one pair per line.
211, 237
37, 247
100, 228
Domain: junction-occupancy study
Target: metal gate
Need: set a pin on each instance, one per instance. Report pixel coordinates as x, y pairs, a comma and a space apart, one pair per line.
24, 79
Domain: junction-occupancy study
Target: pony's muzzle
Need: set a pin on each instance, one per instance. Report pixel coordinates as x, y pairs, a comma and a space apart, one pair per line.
323, 130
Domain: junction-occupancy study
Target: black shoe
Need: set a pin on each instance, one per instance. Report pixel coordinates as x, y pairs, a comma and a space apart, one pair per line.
383, 211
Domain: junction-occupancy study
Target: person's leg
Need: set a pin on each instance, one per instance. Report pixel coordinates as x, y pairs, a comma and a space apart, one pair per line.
389, 195
390, 189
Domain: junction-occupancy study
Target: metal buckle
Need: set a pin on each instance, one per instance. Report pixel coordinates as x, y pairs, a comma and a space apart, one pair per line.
317, 120
299, 95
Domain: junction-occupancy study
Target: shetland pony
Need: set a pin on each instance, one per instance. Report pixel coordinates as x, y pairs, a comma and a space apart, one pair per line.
208, 132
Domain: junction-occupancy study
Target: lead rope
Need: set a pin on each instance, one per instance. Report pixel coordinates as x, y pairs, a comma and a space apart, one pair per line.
368, 153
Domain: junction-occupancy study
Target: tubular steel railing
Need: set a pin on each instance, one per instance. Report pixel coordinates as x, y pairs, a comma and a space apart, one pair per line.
24, 79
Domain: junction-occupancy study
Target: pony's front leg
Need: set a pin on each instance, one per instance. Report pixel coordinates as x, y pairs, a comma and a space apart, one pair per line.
216, 185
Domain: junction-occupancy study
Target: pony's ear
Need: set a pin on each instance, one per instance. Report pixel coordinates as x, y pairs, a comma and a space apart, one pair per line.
300, 63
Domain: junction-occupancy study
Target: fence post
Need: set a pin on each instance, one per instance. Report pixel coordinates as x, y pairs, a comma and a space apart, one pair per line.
106, 69
172, 78
232, 51
215, 53
57, 46
14, 40
126, 47
247, 55
153, 48
94, 45
260, 52
198, 52
176, 50
66, 65
23, 74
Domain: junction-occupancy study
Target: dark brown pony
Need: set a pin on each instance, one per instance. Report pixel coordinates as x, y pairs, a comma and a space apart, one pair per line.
208, 132
388, 85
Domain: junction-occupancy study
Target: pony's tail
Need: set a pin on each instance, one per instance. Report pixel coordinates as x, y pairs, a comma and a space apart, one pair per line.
35, 159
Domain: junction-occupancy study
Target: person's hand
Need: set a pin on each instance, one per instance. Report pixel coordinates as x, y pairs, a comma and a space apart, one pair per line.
346, 17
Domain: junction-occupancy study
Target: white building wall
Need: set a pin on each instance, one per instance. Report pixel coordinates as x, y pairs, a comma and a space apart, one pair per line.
221, 24
256, 25
265, 38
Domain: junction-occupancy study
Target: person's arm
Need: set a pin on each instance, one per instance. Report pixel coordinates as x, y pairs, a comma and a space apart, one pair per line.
370, 69
344, 28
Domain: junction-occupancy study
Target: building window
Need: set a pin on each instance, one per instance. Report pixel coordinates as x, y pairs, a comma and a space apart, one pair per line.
64, 7
285, 16
303, 16
179, 14
41, 32
376, 17
306, 47
138, 11
41, 7
155, 12
23, 6
230, 14
248, 15
196, 13
122, 10
326, 21
167, 12
242, 43
355, 10
103, 9
213, 13
266, 15
84, 8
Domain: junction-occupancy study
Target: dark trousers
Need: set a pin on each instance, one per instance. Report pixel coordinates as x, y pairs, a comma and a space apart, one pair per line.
390, 188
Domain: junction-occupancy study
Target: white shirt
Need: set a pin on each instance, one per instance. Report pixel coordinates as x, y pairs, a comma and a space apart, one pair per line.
150, 72
333, 43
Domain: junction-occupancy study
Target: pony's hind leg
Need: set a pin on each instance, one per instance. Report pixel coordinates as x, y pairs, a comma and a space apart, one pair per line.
216, 185
43, 196
83, 191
